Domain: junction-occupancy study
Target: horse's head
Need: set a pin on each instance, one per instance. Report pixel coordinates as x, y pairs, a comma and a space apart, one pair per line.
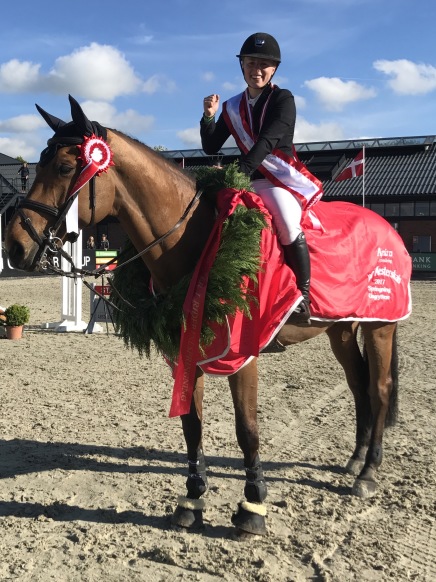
74, 155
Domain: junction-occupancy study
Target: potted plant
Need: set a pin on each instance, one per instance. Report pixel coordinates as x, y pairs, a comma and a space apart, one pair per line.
13, 318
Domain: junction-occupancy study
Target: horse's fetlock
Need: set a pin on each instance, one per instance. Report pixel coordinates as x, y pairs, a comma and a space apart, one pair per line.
196, 485
255, 489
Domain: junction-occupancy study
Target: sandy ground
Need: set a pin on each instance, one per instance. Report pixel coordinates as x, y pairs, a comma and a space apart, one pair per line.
91, 465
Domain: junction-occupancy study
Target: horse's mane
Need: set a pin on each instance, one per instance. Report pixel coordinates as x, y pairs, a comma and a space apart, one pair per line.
157, 158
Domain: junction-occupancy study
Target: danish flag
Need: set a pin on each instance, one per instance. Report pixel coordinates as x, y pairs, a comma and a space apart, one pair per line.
355, 168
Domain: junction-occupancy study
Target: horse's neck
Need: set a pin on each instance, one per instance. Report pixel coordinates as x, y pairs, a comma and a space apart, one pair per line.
151, 197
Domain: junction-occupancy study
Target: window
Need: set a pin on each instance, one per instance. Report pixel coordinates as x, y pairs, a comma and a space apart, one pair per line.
422, 208
421, 244
379, 208
432, 208
393, 209
406, 209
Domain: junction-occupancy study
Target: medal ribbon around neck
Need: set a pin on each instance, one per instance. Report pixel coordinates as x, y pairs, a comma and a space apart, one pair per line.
96, 156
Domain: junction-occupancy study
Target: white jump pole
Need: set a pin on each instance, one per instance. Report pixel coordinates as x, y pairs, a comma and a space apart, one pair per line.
71, 314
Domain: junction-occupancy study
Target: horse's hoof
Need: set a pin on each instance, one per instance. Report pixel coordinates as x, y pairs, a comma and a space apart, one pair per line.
354, 466
250, 519
188, 513
239, 535
364, 489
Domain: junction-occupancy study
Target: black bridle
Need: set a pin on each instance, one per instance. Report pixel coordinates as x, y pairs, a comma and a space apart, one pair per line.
49, 243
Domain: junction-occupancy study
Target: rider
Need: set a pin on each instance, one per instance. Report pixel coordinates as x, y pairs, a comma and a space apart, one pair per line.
262, 121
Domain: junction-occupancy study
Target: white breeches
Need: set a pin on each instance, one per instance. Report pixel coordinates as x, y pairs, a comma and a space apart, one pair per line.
284, 208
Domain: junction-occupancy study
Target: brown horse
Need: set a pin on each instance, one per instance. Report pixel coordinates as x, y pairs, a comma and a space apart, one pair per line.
148, 195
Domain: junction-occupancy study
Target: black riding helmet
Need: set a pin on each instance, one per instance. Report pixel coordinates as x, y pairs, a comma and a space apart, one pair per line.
261, 45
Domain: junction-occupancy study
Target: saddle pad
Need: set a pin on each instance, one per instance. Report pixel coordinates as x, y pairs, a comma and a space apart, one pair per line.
360, 271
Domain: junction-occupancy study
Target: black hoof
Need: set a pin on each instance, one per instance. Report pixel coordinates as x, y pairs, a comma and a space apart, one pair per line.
364, 488
187, 518
248, 521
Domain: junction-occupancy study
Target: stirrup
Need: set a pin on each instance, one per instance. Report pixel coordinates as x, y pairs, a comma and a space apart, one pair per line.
301, 315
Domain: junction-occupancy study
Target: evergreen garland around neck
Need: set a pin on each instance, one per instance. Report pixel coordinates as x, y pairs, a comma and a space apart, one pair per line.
157, 319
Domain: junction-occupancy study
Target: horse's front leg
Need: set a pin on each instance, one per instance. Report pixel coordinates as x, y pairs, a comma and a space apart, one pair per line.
189, 511
250, 516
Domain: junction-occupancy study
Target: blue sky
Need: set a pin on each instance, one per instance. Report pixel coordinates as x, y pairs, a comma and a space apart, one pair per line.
357, 68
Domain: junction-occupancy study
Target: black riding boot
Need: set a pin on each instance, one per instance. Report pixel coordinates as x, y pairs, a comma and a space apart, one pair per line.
298, 259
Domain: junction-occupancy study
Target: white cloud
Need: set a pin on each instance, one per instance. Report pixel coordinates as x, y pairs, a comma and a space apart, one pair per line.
335, 94
190, 137
309, 132
229, 86
142, 40
17, 147
16, 76
158, 82
300, 102
94, 72
22, 123
129, 121
408, 78
208, 76
280, 81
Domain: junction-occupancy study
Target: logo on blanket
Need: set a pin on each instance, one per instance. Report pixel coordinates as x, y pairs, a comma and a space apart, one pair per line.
381, 276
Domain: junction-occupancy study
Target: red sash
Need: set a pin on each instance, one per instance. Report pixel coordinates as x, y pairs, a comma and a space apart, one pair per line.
279, 168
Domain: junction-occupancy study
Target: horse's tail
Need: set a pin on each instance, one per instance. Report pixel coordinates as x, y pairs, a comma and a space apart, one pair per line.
392, 414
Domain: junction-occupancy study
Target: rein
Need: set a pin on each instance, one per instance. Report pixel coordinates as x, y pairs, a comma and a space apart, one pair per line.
49, 242
96, 157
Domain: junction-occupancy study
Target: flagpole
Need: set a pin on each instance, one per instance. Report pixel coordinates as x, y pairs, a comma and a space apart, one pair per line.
363, 181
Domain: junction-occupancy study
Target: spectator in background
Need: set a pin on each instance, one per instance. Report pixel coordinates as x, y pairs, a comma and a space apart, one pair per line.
90, 243
104, 243
24, 173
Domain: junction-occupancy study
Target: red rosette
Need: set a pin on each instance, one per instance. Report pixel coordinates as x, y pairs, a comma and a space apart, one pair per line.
96, 151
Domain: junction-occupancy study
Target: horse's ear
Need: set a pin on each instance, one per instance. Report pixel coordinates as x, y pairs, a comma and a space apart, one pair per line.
54, 122
81, 121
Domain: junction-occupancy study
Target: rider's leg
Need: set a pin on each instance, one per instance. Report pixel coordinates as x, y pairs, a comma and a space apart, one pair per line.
286, 212
298, 258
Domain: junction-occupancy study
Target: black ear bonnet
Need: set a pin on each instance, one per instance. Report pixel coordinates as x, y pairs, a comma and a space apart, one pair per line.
71, 133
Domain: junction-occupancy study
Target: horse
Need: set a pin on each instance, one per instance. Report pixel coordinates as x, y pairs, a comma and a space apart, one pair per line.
148, 194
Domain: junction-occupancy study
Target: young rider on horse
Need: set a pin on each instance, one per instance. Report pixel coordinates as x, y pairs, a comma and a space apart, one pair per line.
262, 121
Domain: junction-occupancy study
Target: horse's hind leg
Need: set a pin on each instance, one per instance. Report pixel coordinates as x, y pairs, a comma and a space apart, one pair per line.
343, 341
189, 511
251, 513
380, 344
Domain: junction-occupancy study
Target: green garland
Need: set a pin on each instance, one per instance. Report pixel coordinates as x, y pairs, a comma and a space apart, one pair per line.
159, 318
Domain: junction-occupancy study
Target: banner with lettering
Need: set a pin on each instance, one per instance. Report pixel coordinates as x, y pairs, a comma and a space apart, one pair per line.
360, 267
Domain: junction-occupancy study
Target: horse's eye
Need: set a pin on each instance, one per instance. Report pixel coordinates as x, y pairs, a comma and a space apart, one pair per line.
64, 170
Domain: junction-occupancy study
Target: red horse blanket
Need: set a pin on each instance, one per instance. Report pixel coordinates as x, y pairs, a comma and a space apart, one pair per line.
360, 271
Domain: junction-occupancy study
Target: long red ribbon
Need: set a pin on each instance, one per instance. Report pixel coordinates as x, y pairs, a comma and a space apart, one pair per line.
193, 309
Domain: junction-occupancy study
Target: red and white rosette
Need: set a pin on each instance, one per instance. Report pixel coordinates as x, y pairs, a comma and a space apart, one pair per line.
96, 151
96, 156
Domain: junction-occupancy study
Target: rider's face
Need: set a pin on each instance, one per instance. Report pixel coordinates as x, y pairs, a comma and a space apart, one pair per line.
257, 73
